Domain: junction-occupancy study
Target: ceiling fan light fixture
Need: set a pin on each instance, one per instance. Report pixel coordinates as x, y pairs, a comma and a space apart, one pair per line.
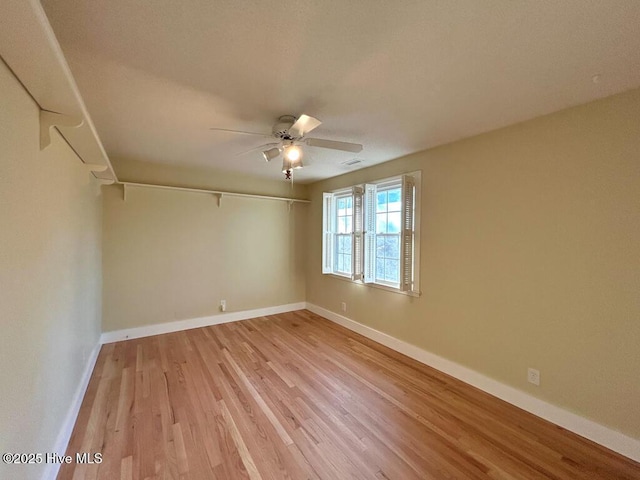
293, 153
290, 133
270, 154
290, 164
292, 157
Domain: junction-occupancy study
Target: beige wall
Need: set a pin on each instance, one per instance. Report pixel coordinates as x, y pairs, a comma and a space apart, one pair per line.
172, 255
50, 280
530, 257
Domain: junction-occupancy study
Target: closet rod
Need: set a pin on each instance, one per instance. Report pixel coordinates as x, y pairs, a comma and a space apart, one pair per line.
213, 192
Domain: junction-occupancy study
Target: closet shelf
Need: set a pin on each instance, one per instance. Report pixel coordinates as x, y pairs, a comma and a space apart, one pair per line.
30, 49
219, 193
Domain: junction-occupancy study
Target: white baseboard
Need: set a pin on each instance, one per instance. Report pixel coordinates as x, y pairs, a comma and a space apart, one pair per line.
616, 441
62, 441
176, 326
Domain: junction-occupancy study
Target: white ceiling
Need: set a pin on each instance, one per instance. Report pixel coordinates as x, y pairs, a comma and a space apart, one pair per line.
396, 76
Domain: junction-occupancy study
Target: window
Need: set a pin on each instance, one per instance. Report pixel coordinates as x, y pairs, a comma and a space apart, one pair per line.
387, 248
370, 233
343, 228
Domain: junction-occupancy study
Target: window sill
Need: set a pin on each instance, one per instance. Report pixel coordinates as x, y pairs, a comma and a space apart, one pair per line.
374, 285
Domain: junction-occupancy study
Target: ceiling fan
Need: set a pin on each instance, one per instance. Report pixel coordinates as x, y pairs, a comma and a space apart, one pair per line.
291, 134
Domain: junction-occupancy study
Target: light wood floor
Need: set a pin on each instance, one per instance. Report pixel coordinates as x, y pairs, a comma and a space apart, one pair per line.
296, 396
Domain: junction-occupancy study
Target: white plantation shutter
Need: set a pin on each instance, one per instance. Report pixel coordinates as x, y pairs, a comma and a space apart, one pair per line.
356, 237
406, 239
370, 233
327, 233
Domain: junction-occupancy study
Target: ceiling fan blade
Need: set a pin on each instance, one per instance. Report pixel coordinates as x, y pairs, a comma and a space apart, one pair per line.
334, 145
303, 125
266, 146
241, 132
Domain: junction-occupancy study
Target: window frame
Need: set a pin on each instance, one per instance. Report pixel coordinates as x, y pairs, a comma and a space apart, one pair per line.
365, 238
384, 186
337, 234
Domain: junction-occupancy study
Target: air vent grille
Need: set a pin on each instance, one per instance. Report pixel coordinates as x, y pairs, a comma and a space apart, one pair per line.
351, 162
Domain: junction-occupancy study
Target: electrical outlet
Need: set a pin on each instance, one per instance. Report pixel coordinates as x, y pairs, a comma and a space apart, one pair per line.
533, 376
223, 305
344, 306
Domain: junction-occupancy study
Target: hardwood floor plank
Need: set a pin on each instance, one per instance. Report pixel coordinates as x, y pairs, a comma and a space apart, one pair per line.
294, 396
181, 452
280, 370
126, 468
247, 459
282, 432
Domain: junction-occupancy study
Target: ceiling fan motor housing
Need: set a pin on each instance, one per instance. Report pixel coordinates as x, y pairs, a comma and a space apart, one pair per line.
282, 126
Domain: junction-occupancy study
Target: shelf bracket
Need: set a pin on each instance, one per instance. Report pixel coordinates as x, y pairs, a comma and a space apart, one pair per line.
48, 120
105, 181
124, 193
219, 195
94, 167
289, 204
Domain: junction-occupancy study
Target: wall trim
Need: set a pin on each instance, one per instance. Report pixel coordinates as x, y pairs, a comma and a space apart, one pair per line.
62, 441
179, 325
607, 437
